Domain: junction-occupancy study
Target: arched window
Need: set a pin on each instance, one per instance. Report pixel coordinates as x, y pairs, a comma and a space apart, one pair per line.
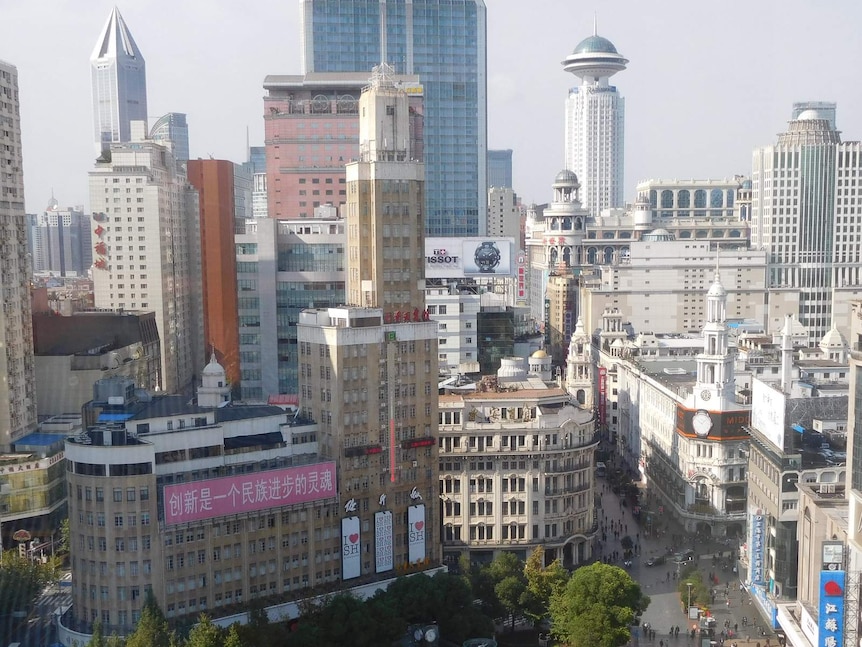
716, 199
700, 199
653, 199
667, 199
683, 199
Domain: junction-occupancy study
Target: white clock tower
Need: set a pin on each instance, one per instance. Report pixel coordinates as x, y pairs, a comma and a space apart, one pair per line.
714, 387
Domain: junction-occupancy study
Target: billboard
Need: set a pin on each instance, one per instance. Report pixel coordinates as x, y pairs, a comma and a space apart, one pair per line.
830, 622
416, 533
351, 548
767, 412
713, 425
448, 258
758, 547
383, 557
220, 497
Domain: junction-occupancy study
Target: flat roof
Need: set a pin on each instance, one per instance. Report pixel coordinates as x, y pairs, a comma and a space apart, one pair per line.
40, 439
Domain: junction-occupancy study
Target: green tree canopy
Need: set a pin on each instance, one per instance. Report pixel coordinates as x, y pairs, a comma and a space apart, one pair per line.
543, 582
700, 591
152, 629
205, 634
597, 607
21, 582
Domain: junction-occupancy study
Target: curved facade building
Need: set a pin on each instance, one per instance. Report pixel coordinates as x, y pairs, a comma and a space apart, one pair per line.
517, 469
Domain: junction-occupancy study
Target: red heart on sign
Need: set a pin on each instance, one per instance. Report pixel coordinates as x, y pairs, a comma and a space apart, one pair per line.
354, 537
833, 588
419, 525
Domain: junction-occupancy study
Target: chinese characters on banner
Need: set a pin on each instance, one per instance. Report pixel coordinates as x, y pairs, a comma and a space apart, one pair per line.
603, 393
351, 548
831, 619
259, 491
758, 538
416, 533
383, 541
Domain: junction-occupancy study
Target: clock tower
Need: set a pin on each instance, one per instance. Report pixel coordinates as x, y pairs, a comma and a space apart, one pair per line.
714, 387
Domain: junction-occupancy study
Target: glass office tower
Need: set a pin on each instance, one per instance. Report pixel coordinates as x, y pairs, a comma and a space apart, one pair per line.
444, 43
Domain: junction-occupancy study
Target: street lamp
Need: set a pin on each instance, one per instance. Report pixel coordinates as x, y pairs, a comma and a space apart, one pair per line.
689, 597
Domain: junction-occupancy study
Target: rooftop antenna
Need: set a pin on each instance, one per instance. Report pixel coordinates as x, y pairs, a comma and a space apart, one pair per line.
595, 25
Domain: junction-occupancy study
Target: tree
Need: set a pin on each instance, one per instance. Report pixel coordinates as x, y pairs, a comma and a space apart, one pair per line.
152, 629
21, 582
96, 639
597, 607
700, 591
64, 536
510, 583
543, 582
205, 634
233, 638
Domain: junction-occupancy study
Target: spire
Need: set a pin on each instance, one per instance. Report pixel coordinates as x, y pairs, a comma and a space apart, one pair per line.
595, 24
115, 40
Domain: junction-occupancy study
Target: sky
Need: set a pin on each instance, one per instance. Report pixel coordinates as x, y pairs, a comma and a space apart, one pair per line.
707, 81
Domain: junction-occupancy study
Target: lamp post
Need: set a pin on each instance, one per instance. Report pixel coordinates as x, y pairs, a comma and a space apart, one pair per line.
689, 597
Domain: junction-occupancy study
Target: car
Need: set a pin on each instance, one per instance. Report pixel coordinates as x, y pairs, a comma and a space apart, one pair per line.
684, 556
656, 561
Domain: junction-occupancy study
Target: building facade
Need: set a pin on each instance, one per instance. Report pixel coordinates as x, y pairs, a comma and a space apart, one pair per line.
17, 391
214, 181
445, 44
500, 168
147, 248
119, 83
60, 241
172, 131
517, 467
803, 206
595, 123
283, 267
504, 214
689, 199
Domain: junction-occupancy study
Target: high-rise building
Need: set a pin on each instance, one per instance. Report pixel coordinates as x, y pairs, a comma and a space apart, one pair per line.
172, 130
214, 180
445, 44
804, 205
500, 168
504, 214
147, 248
385, 199
595, 123
17, 389
368, 375
311, 125
256, 165
60, 241
119, 83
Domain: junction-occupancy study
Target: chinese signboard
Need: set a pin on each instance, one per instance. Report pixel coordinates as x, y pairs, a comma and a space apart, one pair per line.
351, 548
831, 619
235, 494
383, 541
758, 543
603, 391
416, 532
522, 276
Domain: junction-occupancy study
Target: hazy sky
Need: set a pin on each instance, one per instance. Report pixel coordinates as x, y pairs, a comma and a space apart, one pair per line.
706, 83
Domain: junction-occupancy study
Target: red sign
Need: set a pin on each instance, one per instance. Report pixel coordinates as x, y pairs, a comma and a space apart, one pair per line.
21, 535
101, 248
236, 494
99, 231
419, 442
603, 390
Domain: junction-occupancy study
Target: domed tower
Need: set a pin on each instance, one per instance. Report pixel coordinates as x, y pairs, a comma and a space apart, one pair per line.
579, 367
565, 224
214, 390
595, 123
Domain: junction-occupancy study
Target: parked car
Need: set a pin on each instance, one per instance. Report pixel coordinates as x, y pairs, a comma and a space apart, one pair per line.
656, 561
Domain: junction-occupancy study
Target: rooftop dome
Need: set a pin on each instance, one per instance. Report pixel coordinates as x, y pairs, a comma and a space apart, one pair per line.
595, 45
833, 339
213, 368
658, 234
566, 177
539, 354
808, 114
716, 289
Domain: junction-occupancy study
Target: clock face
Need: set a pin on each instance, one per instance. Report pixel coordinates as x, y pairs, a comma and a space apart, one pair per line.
705, 395
702, 423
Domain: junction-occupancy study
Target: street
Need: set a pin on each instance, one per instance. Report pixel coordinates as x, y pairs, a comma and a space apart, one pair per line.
40, 629
665, 609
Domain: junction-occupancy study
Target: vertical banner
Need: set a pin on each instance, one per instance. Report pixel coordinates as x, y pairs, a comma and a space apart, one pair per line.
351, 559
416, 533
831, 619
383, 558
757, 543
603, 394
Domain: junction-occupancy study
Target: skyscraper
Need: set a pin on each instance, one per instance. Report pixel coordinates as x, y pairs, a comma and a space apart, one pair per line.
444, 43
147, 249
595, 123
804, 205
60, 240
17, 388
172, 130
119, 83
500, 168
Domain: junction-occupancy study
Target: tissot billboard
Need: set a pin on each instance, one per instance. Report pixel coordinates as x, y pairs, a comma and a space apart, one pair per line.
454, 258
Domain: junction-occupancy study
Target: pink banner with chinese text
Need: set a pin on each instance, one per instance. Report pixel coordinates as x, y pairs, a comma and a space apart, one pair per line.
249, 492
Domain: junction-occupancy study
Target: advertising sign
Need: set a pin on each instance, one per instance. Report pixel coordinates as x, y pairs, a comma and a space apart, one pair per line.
461, 257
758, 545
767, 412
383, 556
522, 277
716, 425
603, 390
235, 494
830, 622
416, 533
351, 548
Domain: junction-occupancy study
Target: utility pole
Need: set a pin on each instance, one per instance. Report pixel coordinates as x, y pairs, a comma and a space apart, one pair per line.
689, 597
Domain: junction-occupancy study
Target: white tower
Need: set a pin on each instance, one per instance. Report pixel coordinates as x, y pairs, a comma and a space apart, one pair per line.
579, 367
214, 390
714, 387
595, 123
119, 83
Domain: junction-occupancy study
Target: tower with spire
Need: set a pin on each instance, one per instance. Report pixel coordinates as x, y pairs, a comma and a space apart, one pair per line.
714, 389
579, 367
119, 83
595, 123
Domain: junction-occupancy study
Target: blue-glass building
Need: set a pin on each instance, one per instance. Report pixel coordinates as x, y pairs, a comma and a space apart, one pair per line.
500, 168
444, 42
